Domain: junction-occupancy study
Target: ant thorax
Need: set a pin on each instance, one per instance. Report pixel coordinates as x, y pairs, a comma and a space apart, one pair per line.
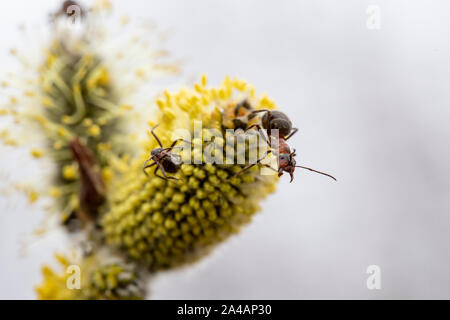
279, 145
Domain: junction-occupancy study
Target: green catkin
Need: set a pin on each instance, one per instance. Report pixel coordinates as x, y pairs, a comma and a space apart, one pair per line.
162, 224
79, 101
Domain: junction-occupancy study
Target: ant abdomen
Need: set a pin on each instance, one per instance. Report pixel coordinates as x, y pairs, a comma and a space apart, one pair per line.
284, 127
278, 120
171, 165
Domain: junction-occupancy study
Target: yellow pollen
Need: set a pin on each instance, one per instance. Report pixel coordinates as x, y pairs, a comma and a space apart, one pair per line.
204, 80
88, 122
13, 100
55, 192
69, 172
94, 130
33, 196
62, 132
37, 153
58, 145
126, 107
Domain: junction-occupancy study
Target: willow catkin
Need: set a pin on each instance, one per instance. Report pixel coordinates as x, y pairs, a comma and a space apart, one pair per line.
162, 223
80, 103
80, 88
97, 280
76, 91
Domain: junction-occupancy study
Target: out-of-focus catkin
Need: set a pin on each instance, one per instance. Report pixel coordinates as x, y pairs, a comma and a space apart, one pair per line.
81, 103
97, 280
81, 83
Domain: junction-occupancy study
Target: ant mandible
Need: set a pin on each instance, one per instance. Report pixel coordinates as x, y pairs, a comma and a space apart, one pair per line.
277, 120
164, 159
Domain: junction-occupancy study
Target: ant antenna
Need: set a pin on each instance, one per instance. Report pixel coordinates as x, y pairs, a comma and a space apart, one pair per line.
325, 174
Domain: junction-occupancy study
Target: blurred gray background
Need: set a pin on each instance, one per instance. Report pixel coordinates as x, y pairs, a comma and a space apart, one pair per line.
373, 108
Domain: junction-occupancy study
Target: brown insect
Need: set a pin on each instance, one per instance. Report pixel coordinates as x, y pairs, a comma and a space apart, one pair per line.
164, 159
235, 115
277, 120
240, 119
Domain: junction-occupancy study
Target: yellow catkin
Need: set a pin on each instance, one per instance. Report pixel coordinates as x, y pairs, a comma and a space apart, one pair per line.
162, 224
112, 281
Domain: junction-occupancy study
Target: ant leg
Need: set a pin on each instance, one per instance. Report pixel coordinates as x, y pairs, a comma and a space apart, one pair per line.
175, 142
157, 175
147, 161
245, 169
151, 158
270, 167
148, 166
280, 172
252, 114
294, 131
172, 146
156, 137
257, 126
269, 119
166, 177
254, 164
260, 131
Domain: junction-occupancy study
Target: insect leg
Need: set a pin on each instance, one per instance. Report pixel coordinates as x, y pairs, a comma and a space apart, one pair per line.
294, 131
156, 137
148, 166
253, 113
156, 174
165, 175
260, 131
172, 146
148, 160
254, 164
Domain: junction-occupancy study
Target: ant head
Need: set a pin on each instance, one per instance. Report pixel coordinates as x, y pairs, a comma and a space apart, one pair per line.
287, 164
156, 151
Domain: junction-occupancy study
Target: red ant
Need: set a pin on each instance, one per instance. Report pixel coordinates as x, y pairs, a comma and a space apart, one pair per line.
164, 159
277, 120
